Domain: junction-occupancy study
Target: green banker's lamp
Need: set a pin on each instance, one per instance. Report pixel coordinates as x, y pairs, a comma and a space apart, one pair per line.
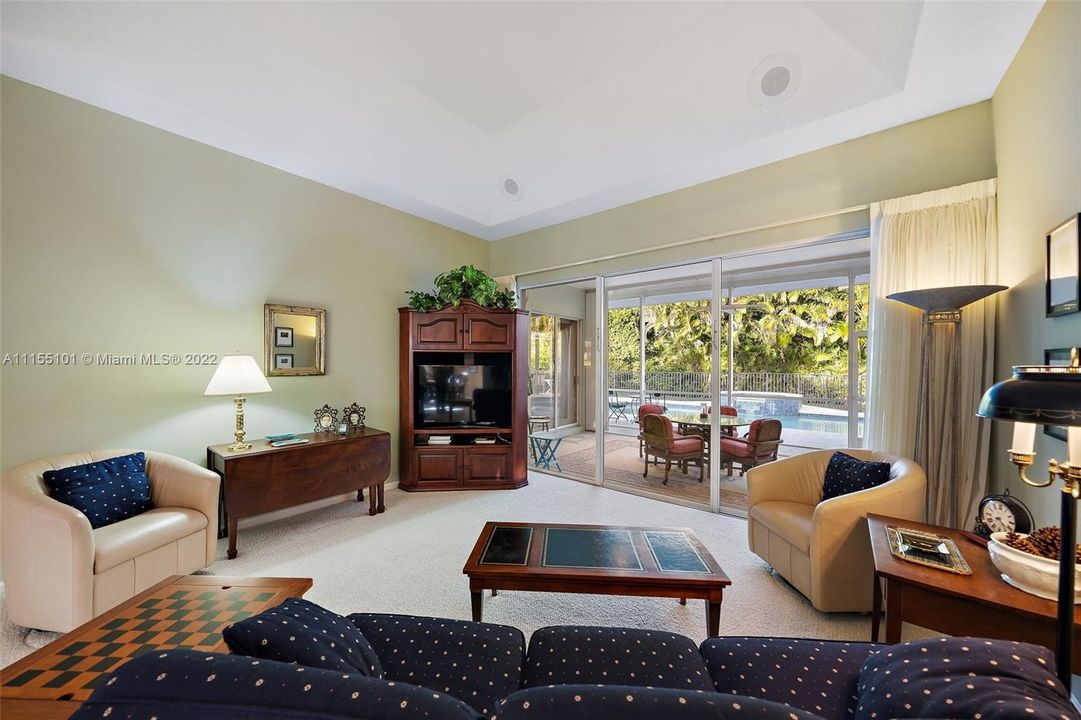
1051, 395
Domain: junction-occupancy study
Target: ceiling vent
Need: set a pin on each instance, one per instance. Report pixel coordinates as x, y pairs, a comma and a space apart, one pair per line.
775, 79
512, 189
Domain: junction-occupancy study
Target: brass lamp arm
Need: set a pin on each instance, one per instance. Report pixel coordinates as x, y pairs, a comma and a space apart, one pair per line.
1069, 474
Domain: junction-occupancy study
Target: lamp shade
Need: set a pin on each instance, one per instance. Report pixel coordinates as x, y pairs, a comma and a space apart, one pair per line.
944, 299
237, 375
1042, 394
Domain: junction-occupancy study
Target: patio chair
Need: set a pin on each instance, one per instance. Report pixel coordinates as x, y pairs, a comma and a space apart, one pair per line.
662, 442
617, 408
730, 411
643, 410
758, 446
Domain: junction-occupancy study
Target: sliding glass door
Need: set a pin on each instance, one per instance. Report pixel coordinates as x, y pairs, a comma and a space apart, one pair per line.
560, 316
712, 347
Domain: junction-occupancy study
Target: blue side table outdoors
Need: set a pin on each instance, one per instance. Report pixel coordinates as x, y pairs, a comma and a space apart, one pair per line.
544, 446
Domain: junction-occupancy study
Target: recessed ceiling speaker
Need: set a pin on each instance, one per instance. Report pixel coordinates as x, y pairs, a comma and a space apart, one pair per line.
511, 188
775, 79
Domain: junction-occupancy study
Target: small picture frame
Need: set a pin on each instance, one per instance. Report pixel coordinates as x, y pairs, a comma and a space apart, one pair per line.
283, 337
1061, 357
283, 361
354, 415
1063, 278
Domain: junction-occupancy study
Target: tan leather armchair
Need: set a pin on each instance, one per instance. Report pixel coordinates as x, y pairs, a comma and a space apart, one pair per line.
822, 547
59, 573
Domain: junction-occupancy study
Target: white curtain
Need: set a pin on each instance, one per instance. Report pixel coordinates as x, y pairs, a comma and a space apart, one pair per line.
934, 239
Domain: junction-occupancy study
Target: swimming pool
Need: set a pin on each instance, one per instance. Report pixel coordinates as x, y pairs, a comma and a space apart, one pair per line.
811, 422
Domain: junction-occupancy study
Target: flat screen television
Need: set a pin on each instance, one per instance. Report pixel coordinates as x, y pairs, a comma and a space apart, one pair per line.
450, 396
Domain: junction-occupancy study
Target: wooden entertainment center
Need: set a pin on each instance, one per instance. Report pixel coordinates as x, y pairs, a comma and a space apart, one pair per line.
473, 337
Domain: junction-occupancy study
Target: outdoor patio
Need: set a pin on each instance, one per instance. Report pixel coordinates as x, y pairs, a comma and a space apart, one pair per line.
623, 467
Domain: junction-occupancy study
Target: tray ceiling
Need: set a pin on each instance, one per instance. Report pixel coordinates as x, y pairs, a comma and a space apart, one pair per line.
500, 117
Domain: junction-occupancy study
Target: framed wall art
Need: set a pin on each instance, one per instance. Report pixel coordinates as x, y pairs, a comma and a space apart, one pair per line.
1064, 268
1061, 357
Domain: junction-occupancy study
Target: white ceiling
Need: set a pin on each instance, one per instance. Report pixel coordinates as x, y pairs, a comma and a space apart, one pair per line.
429, 106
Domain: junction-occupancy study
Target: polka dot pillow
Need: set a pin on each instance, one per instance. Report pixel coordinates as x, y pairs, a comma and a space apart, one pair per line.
962, 678
190, 685
845, 474
106, 492
301, 632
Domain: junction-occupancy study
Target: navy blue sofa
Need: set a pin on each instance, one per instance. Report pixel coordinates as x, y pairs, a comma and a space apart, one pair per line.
450, 669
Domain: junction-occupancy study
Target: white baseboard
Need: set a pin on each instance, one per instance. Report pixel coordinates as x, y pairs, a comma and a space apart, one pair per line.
306, 507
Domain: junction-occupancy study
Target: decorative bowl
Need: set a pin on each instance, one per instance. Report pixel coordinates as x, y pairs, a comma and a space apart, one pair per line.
1025, 571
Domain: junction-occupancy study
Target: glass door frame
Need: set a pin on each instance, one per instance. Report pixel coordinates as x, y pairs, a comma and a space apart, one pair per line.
557, 321
599, 359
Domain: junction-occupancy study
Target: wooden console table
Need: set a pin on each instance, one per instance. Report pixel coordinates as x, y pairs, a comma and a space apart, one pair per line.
980, 604
264, 478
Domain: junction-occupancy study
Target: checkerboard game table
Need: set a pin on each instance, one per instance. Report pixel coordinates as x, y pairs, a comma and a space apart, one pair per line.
598, 559
179, 612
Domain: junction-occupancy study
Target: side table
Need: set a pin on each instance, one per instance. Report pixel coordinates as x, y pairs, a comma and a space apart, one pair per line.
980, 604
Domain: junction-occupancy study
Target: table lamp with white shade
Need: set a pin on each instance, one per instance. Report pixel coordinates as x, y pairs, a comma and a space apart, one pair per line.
238, 375
1051, 395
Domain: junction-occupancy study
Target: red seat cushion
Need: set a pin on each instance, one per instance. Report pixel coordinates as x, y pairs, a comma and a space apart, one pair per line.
730, 446
685, 445
649, 409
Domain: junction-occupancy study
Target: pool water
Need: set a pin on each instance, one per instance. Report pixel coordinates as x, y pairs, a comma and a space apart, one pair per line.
804, 421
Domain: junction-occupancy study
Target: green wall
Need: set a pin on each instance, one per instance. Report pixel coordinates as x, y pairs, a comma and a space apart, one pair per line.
948, 149
121, 238
1037, 117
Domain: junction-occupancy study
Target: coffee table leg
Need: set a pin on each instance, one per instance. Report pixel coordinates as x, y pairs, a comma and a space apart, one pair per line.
494, 592
683, 601
477, 597
360, 495
372, 500
713, 617
876, 608
381, 489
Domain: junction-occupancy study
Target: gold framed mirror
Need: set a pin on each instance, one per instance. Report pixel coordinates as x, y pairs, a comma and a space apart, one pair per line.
294, 340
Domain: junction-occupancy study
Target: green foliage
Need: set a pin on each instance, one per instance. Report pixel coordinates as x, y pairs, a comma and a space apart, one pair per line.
464, 283
797, 331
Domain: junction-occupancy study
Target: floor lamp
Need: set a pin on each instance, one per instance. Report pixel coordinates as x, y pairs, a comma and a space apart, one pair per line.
1045, 394
940, 368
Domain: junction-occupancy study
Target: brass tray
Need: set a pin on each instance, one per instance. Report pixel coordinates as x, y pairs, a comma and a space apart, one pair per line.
923, 548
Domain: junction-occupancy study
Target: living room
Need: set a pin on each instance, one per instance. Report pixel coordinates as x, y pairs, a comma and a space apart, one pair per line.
493, 292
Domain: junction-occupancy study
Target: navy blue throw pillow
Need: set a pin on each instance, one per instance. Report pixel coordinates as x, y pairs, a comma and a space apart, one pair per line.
106, 491
845, 474
301, 632
961, 677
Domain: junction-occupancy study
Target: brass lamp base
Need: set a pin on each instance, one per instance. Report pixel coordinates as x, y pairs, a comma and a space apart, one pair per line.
239, 433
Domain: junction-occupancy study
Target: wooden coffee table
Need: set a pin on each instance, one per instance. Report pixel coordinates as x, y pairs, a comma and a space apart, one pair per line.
179, 612
980, 604
598, 559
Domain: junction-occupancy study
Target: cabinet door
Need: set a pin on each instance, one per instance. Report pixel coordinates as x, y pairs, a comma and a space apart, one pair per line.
489, 332
437, 331
438, 466
485, 465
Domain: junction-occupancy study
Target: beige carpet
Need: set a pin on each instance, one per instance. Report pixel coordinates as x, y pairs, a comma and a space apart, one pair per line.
409, 560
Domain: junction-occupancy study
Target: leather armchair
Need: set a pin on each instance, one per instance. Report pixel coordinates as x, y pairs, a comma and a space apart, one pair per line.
60, 573
822, 547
